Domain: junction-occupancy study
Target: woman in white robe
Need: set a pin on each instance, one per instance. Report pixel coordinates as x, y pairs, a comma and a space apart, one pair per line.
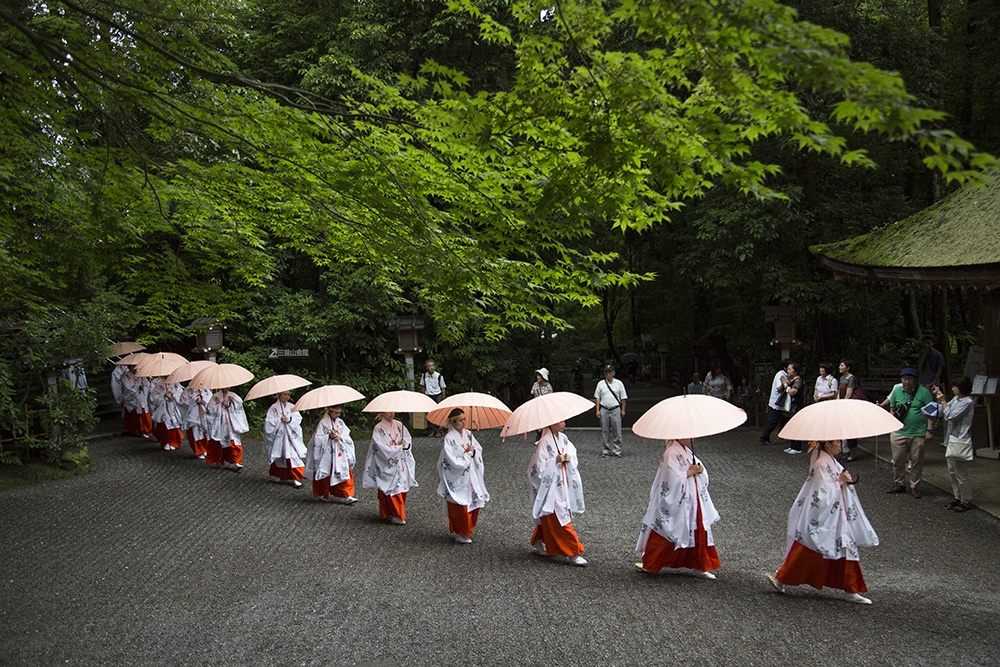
283, 442
826, 525
460, 468
135, 398
226, 421
556, 495
166, 413
194, 406
390, 468
677, 528
331, 459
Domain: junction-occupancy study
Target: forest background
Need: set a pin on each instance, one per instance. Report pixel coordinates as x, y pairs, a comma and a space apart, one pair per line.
545, 183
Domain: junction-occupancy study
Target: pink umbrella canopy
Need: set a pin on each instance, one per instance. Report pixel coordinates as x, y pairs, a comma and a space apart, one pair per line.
691, 416
220, 376
327, 395
839, 420
401, 401
126, 347
481, 410
275, 385
189, 370
545, 410
132, 359
159, 364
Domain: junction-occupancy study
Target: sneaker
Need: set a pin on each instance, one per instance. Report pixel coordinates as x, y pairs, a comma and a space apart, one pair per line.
201, 457
349, 500
396, 521
704, 575
618, 455
778, 586
961, 507
855, 597
788, 450
915, 493
167, 448
953, 504
795, 451
463, 540
297, 484
579, 561
235, 467
897, 488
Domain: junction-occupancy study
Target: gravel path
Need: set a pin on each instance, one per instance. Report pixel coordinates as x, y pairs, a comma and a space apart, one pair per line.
157, 559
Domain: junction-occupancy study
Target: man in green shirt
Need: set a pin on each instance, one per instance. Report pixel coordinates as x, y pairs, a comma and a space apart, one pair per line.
905, 401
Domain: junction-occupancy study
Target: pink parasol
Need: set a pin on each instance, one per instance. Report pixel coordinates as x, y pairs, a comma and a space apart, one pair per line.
275, 385
159, 364
839, 420
189, 370
220, 376
126, 347
331, 394
132, 359
401, 401
545, 410
691, 416
481, 410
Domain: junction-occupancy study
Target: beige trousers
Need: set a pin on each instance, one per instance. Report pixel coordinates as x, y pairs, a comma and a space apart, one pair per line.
907, 454
958, 470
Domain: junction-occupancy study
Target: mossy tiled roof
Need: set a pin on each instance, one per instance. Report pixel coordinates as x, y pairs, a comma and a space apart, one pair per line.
963, 229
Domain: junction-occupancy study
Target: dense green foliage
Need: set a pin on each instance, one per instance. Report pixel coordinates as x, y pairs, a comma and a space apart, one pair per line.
305, 171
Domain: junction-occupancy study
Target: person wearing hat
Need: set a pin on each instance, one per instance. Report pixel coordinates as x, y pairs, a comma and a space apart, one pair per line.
609, 399
542, 385
906, 402
460, 467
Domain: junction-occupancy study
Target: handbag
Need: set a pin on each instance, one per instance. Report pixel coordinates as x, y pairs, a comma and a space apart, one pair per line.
959, 448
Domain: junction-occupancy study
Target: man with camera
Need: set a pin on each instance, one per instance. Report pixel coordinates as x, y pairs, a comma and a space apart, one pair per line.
906, 402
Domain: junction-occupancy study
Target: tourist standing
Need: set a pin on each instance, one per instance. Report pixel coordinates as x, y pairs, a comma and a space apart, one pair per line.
609, 399
958, 412
907, 444
432, 383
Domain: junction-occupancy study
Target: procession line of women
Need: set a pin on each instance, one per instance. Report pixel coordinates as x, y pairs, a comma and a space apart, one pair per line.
826, 524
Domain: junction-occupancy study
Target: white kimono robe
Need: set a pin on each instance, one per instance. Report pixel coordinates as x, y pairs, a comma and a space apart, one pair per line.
225, 424
827, 516
164, 404
116, 383
331, 451
556, 488
194, 407
460, 467
284, 440
135, 393
673, 501
389, 466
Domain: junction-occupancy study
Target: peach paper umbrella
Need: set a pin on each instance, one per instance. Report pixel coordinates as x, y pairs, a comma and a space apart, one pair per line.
275, 385
123, 348
132, 359
331, 394
401, 401
839, 420
159, 364
481, 410
545, 410
220, 376
690, 416
189, 370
